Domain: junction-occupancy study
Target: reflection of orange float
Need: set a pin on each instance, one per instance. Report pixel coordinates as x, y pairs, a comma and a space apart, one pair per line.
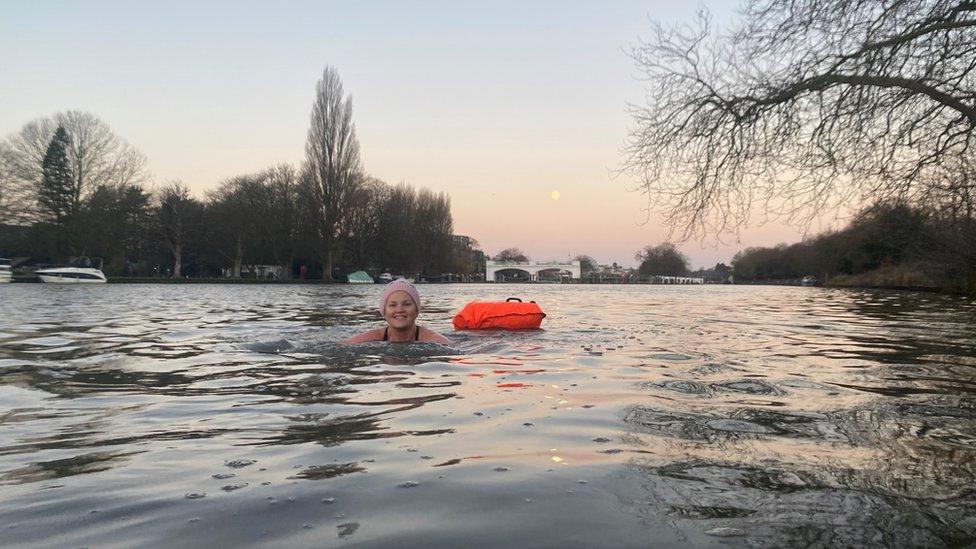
511, 314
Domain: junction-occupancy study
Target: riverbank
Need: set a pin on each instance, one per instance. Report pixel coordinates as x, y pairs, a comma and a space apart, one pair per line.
905, 277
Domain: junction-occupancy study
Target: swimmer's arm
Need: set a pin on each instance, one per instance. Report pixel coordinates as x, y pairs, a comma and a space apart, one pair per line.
372, 335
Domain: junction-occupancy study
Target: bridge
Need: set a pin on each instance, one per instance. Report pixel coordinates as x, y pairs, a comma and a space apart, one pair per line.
502, 271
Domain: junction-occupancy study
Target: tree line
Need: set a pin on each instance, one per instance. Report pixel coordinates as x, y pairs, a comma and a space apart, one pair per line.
920, 246
69, 187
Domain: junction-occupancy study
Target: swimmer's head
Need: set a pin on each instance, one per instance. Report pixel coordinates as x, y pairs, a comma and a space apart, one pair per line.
399, 285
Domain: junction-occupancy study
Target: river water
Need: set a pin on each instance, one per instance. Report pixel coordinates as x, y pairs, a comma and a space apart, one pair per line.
212, 416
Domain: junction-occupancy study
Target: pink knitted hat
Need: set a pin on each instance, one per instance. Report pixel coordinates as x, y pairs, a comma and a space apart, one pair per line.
399, 285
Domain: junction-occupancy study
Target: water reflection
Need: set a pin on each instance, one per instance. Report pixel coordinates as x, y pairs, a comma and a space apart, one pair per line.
762, 416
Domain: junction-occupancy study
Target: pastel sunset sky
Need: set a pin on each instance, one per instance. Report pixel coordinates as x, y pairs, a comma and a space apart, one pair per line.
497, 104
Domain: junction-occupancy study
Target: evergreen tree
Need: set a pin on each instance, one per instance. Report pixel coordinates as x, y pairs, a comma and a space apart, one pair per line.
56, 193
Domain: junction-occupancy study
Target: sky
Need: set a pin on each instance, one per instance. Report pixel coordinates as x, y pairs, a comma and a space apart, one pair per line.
500, 105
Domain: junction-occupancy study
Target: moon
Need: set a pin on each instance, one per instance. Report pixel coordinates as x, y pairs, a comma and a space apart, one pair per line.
554, 195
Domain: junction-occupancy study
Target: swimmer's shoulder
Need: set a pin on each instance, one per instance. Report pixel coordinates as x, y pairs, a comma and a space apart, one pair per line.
375, 334
430, 336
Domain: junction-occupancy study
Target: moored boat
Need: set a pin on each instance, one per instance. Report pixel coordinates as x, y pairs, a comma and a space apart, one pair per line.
359, 277
80, 272
6, 275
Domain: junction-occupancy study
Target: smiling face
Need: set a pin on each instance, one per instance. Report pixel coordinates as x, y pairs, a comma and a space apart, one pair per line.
401, 311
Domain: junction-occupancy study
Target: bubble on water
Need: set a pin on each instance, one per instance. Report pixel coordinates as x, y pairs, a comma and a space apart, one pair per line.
712, 368
328, 501
736, 426
501, 469
681, 386
582, 482
195, 495
751, 386
347, 529
291, 498
674, 357
408, 484
570, 491
725, 532
238, 463
307, 526
223, 476
528, 500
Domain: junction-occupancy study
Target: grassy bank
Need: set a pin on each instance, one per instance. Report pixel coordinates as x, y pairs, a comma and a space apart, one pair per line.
919, 276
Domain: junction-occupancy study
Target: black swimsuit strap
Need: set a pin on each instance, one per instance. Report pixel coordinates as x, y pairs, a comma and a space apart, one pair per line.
416, 335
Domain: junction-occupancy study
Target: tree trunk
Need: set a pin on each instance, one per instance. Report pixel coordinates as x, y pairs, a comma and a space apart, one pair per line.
177, 259
327, 266
238, 258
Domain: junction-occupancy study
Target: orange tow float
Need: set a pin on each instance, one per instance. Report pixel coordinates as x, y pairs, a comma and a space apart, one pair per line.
511, 314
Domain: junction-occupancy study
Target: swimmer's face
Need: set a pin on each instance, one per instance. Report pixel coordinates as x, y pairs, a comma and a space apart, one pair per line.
401, 311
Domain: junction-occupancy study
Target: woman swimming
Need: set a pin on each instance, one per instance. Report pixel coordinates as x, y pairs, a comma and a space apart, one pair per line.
400, 306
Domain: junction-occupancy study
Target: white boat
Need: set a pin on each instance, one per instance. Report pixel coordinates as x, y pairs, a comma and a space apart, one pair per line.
384, 278
359, 277
6, 275
81, 272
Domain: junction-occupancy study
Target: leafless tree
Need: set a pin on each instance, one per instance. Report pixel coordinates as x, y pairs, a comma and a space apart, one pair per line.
7, 211
237, 217
433, 228
663, 259
587, 264
282, 212
363, 221
398, 215
332, 160
97, 157
512, 254
804, 107
175, 214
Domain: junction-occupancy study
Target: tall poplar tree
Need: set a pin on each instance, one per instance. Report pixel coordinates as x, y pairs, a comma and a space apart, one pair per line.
333, 165
56, 194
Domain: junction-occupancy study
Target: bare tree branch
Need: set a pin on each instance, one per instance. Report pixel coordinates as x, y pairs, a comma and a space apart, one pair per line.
806, 107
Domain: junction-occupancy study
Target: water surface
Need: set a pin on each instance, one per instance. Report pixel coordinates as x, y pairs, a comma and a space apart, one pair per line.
640, 415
